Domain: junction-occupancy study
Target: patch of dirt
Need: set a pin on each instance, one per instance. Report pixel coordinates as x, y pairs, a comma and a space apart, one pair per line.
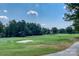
76, 38
58, 46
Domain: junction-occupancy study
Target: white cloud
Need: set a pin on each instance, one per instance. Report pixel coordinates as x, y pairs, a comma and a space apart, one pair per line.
5, 11
3, 17
32, 12
43, 24
64, 7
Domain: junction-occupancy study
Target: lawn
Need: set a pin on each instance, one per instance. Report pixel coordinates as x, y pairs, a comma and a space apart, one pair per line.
41, 45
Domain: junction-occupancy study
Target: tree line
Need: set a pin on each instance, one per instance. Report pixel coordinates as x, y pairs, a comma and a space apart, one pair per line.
21, 29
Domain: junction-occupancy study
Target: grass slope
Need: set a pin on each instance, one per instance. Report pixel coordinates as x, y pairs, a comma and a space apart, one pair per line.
41, 44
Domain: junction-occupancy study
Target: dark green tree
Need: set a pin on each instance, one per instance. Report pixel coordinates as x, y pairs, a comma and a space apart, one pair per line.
35, 29
1, 29
10, 30
69, 30
45, 31
21, 28
62, 30
54, 30
72, 14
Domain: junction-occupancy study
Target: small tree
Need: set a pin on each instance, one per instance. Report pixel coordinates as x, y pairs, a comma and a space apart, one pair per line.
62, 30
54, 30
45, 31
69, 30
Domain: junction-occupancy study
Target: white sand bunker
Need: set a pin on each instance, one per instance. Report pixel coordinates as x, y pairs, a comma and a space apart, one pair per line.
25, 41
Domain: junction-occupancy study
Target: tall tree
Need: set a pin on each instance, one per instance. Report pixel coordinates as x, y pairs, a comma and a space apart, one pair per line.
1, 29
73, 14
35, 29
21, 28
10, 30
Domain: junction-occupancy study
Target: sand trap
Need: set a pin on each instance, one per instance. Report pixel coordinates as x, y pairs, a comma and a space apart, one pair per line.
25, 41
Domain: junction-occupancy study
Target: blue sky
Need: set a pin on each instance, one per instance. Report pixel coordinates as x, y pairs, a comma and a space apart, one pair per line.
48, 15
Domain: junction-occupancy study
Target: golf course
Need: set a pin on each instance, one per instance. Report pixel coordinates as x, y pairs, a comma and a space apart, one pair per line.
42, 29
40, 45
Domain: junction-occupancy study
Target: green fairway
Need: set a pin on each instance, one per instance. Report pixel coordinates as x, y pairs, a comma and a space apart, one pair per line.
41, 45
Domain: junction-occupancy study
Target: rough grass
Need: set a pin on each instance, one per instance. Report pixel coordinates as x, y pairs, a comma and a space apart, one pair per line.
41, 45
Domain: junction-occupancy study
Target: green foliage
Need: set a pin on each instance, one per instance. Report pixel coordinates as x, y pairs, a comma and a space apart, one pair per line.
62, 30
45, 31
21, 29
54, 30
1, 29
69, 30
35, 29
73, 14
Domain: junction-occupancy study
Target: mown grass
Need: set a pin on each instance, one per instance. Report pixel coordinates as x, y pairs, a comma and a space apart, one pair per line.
41, 45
